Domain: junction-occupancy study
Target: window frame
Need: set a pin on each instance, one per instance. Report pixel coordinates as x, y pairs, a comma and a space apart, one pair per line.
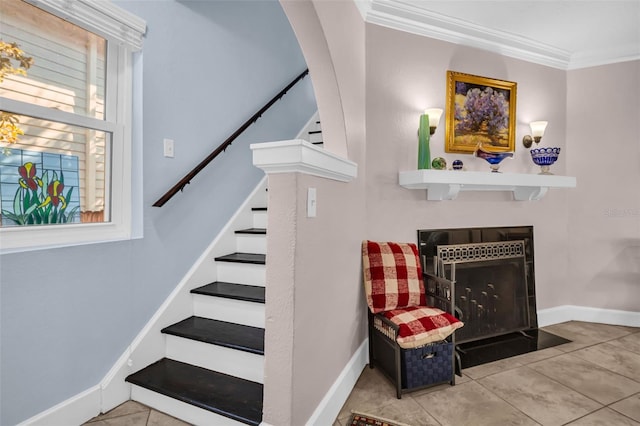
123, 32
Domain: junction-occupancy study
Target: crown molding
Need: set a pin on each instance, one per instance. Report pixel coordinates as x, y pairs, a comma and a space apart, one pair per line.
408, 16
613, 55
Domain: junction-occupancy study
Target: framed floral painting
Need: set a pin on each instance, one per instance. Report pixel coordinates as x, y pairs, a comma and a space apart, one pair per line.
480, 110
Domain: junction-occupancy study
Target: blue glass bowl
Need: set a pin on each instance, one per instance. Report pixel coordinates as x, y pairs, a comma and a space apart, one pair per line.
493, 158
544, 157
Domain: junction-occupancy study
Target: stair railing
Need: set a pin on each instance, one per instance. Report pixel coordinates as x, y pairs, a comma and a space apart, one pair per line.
186, 180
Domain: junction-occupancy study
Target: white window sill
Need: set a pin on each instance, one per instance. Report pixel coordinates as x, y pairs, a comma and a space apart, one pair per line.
41, 237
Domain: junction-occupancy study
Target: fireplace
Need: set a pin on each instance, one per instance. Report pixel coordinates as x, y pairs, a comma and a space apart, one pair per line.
494, 292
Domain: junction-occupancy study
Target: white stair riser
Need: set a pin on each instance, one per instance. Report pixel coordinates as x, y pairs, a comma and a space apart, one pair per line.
260, 219
233, 362
251, 243
242, 273
181, 410
229, 310
315, 137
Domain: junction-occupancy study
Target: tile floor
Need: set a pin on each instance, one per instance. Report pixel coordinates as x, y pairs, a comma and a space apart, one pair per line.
594, 380
132, 413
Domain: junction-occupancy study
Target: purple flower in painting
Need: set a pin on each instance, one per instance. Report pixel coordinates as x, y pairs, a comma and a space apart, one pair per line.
485, 109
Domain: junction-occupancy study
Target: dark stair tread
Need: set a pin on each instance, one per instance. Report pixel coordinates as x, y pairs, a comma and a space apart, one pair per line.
243, 258
248, 293
318, 143
315, 132
221, 333
220, 393
258, 209
252, 231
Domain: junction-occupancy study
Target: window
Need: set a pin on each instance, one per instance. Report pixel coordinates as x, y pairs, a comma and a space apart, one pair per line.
68, 177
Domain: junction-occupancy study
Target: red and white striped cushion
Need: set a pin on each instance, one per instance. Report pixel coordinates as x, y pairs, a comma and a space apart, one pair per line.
392, 276
420, 325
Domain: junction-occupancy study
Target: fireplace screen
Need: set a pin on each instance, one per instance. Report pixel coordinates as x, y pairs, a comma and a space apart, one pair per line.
490, 286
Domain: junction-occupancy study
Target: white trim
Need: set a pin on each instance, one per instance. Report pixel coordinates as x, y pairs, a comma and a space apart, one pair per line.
446, 184
74, 411
99, 16
91, 402
301, 156
53, 114
566, 313
329, 408
408, 16
181, 410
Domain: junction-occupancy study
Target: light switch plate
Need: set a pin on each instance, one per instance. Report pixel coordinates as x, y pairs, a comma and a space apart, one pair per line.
168, 148
311, 202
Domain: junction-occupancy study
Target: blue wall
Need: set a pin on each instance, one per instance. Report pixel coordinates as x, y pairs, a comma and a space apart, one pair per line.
67, 314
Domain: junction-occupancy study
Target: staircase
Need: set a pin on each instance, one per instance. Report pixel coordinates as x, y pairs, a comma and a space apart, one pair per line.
213, 368
314, 133
209, 367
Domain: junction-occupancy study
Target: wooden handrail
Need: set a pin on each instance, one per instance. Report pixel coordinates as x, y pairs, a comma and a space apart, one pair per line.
187, 179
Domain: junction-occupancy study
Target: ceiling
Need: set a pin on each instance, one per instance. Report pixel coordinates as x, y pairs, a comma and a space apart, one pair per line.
566, 34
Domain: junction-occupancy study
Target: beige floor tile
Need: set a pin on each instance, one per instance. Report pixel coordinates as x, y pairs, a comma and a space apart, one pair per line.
604, 417
470, 404
484, 370
157, 418
630, 342
408, 411
584, 334
136, 419
459, 381
614, 358
630, 407
536, 356
587, 378
372, 390
129, 407
545, 400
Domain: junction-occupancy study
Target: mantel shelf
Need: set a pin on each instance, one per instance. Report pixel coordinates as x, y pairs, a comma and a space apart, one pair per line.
447, 184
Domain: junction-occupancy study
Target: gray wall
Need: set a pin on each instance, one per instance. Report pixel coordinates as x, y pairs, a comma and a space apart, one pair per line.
67, 314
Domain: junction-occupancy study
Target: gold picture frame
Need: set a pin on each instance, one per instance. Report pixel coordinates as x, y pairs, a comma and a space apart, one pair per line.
479, 110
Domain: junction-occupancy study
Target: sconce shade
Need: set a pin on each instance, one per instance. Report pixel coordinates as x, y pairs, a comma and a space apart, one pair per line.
434, 116
537, 128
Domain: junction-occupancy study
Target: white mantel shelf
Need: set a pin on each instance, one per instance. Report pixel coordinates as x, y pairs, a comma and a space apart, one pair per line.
447, 184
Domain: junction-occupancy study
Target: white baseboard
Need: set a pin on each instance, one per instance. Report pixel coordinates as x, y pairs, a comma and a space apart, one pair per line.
566, 313
329, 408
74, 411
82, 407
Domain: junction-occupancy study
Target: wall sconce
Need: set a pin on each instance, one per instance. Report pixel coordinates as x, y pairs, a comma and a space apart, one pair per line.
537, 131
434, 118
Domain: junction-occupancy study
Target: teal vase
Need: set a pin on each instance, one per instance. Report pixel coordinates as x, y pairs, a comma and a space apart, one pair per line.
424, 154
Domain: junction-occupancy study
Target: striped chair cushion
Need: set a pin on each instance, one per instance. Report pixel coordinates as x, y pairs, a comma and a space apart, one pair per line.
420, 325
392, 276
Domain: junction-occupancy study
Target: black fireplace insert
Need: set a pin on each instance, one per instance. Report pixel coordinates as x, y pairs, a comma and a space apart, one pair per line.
494, 275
